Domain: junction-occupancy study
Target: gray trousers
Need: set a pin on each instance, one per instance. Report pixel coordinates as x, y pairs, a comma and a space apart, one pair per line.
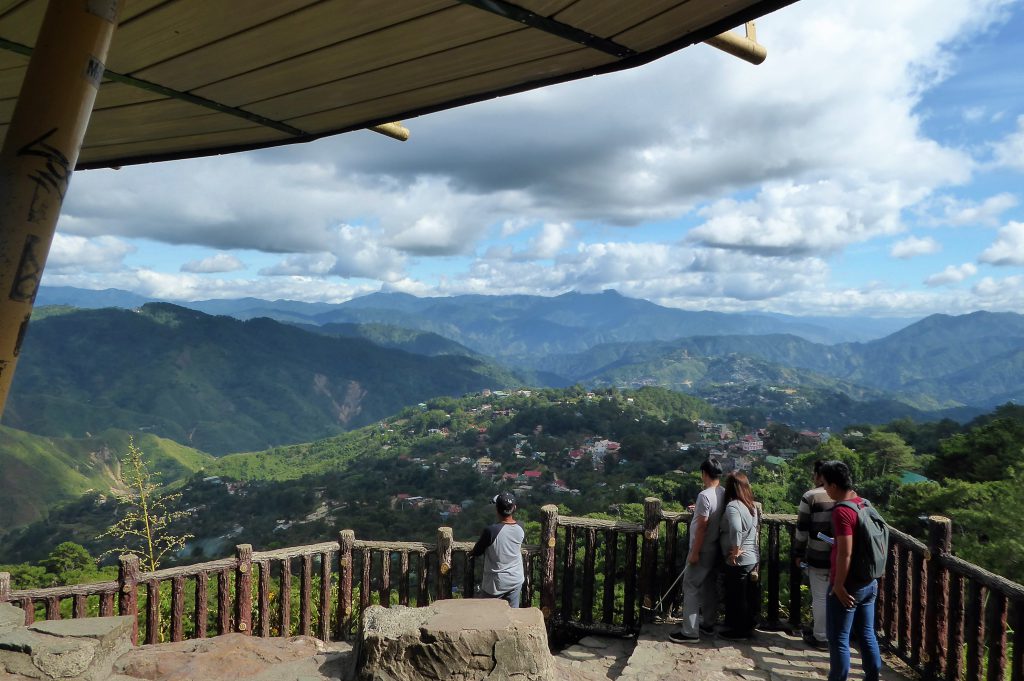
700, 593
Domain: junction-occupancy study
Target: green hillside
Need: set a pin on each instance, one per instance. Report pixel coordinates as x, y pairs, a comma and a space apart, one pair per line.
37, 473
217, 383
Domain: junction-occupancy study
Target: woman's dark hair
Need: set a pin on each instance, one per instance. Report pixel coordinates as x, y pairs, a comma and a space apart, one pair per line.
711, 468
837, 473
817, 466
737, 488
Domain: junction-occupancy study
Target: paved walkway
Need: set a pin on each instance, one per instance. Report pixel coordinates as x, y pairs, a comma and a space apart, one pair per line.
772, 656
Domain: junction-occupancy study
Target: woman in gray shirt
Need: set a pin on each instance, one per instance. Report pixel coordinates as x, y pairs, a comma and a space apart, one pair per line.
739, 546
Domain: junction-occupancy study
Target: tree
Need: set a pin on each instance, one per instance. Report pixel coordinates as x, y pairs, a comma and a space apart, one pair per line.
68, 563
886, 454
145, 527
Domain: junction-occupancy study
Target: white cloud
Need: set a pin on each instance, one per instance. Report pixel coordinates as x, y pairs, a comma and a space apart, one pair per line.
301, 265
186, 286
792, 219
913, 246
1009, 152
220, 262
965, 212
1008, 248
953, 274
70, 254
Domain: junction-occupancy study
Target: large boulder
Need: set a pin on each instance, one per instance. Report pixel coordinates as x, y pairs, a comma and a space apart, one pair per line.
70, 650
455, 640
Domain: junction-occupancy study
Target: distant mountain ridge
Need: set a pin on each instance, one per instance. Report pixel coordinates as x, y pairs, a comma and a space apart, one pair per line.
937, 363
515, 325
216, 383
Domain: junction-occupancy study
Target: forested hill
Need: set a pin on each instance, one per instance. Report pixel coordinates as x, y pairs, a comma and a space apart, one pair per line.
38, 473
216, 383
939, 362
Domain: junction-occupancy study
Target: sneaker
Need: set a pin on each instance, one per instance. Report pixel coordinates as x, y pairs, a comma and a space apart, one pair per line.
680, 637
707, 630
730, 635
813, 642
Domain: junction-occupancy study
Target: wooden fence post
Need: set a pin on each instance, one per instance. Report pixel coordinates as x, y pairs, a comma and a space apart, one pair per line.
444, 562
128, 601
548, 542
772, 622
5, 587
649, 557
346, 540
243, 589
223, 601
936, 618
795, 579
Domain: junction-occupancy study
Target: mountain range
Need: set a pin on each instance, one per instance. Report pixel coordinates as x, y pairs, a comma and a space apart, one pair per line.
518, 325
217, 383
247, 382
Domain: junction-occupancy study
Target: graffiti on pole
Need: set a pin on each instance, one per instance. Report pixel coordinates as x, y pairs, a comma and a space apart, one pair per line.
51, 180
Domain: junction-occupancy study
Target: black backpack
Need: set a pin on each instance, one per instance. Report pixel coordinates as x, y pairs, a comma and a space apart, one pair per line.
870, 544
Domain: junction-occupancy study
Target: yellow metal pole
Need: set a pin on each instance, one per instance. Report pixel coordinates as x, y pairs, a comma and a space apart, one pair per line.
747, 49
40, 152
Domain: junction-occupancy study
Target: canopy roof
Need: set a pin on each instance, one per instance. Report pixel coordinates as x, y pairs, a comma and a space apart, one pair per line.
196, 77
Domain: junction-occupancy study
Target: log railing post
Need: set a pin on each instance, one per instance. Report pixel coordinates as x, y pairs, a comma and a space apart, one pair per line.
177, 608
306, 596
243, 589
444, 562
649, 557
29, 606
995, 639
589, 560
1016, 670
936, 618
774, 577
224, 602
548, 542
263, 598
202, 604
795, 579
128, 600
5, 587
346, 540
917, 562
285, 599
324, 623
152, 611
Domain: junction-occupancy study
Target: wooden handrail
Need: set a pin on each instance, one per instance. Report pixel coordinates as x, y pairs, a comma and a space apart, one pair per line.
944, 616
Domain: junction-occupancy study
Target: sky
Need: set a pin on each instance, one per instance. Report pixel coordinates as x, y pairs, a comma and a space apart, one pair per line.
872, 165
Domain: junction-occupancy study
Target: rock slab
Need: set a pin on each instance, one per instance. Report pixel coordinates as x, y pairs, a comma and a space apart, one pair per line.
70, 650
455, 640
234, 657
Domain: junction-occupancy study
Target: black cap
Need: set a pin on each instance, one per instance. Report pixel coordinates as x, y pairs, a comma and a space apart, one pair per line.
506, 503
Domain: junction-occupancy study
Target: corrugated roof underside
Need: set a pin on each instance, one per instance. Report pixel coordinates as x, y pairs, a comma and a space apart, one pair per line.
325, 66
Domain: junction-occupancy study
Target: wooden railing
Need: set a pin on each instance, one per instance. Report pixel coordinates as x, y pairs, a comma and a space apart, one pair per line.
946, 618
337, 581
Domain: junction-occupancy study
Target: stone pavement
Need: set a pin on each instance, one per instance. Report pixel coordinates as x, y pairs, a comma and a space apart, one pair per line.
771, 656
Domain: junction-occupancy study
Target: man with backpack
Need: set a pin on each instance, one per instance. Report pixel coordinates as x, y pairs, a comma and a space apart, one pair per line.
860, 546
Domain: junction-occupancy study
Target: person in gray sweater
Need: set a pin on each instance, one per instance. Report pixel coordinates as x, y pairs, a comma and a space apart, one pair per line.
501, 546
740, 548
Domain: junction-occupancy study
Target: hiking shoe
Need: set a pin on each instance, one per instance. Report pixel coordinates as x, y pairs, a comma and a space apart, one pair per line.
813, 642
680, 637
